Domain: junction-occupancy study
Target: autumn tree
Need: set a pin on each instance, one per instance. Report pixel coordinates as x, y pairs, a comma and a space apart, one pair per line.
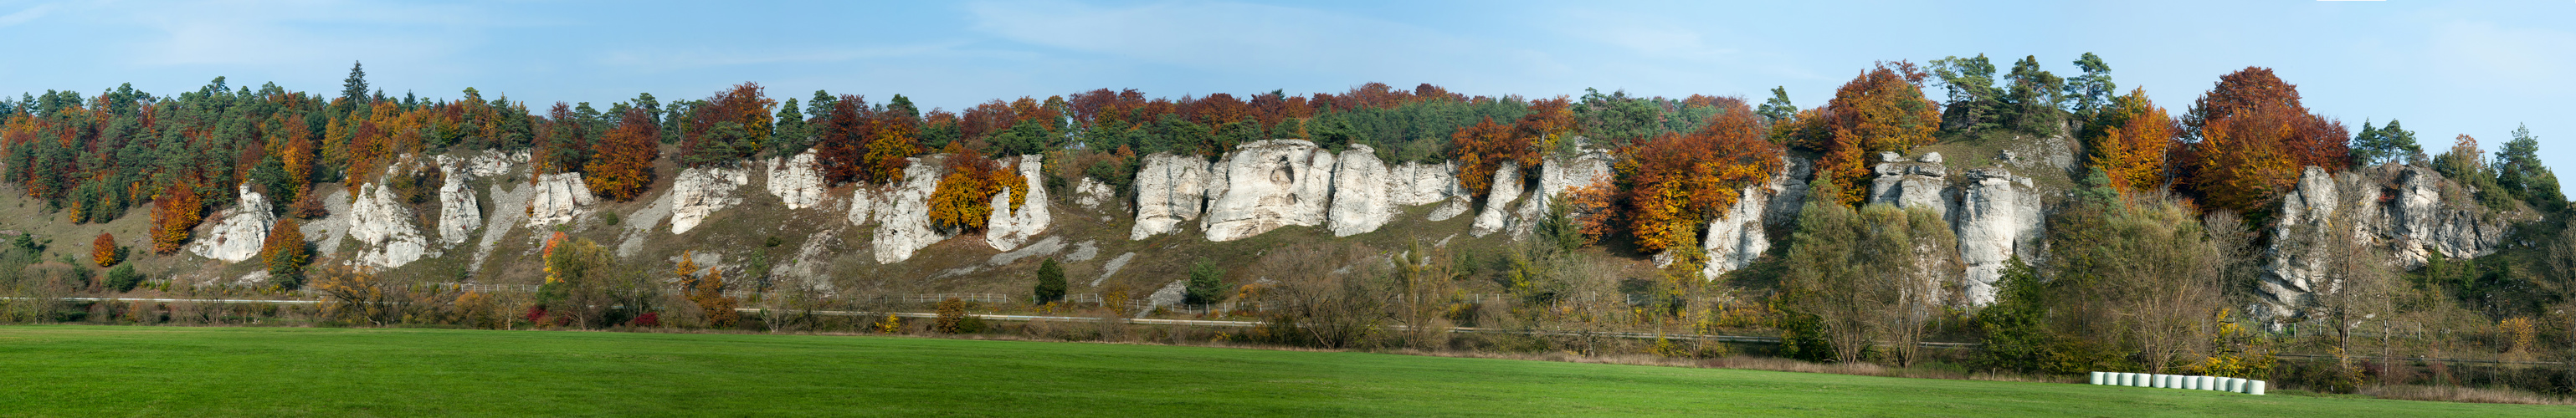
963, 200
104, 252
622, 165
1482, 148
174, 215
1882, 110
2129, 141
2249, 136
731, 125
1674, 183
285, 253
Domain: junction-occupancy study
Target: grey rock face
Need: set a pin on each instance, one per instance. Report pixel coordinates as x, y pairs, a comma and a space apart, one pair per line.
1911, 184
903, 220
1007, 228
1270, 184
1092, 193
1999, 217
2422, 214
458, 212
1739, 236
700, 192
557, 198
1498, 200
1169, 191
1362, 192
242, 231
1556, 177
384, 229
795, 181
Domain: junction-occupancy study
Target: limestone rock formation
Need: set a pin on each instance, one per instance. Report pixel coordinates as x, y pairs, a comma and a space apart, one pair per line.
1007, 228
1269, 184
1361, 193
1741, 234
700, 192
1999, 217
1911, 184
795, 181
2408, 212
1417, 184
242, 231
1498, 200
1169, 191
1556, 177
557, 198
903, 215
1092, 193
458, 211
383, 228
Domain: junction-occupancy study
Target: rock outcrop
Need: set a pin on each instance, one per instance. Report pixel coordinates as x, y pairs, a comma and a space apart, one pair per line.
700, 192
383, 228
458, 212
903, 214
1741, 234
1558, 176
557, 198
2409, 213
1362, 199
1418, 184
1092, 193
1914, 184
1007, 228
1999, 217
1267, 185
242, 231
1169, 191
1498, 200
795, 181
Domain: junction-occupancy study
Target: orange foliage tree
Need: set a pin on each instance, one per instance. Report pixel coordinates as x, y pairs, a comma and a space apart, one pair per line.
859, 145
2252, 140
1482, 147
103, 250
1674, 183
733, 125
174, 214
622, 164
2133, 140
963, 200
1883, 110
285, 254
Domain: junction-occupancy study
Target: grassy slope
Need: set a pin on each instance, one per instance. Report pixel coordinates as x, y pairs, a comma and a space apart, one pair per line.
80, 370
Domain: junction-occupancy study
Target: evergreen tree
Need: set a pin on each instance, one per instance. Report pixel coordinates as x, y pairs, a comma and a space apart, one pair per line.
1777, 109
793, 135
1206, 285
1051, 285
2092, 91
2519, 171
1974, 105
355, 88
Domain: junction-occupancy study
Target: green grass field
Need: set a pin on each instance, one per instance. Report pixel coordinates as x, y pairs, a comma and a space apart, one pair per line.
172, 371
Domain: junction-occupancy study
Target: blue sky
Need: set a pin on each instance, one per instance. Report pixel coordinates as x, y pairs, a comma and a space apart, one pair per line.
2445, 68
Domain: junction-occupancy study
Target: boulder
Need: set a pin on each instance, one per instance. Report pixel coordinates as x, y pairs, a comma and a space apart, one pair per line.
795, 181
557, 198
1999, 217
1008, 227
383, 228
903, 219
1169, 191
1362, 195
700, 192
1269, 184
241, 233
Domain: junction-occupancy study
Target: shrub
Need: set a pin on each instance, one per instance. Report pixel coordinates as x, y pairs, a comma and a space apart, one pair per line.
953, 318
123, 278
103, 250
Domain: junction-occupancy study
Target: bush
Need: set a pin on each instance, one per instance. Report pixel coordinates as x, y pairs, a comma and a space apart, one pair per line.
123, 278
954, 320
